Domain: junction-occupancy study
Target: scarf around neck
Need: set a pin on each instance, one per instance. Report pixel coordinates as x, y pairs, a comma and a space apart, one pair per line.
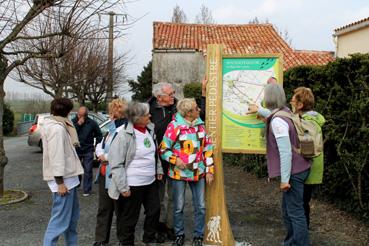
70, 128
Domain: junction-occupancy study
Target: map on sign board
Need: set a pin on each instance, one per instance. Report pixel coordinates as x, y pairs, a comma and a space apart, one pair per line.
244, 81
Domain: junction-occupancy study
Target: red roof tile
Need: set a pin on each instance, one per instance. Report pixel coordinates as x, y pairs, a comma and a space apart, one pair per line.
237, 39
351, 24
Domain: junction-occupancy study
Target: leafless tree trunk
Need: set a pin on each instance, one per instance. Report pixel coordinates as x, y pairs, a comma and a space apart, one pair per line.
205, 16
19, 32
179, 15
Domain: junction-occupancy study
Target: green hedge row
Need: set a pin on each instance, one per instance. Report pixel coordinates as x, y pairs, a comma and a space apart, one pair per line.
341, 90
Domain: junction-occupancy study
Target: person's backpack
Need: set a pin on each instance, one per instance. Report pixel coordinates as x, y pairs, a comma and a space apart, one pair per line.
308, 133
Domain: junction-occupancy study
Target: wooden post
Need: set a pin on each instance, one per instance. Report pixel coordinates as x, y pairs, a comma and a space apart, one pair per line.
217, 227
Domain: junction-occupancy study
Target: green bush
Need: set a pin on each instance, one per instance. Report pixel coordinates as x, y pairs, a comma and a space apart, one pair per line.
255, 164
341, 90
193, 90
8, 120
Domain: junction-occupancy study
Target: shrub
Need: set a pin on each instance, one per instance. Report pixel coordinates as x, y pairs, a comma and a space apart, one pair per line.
193, 90
341, 90
8, 120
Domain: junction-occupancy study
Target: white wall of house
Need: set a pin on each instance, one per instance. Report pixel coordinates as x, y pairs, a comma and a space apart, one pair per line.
356, 41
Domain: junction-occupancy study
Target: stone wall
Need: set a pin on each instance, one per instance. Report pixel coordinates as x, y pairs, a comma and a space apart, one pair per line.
178, 68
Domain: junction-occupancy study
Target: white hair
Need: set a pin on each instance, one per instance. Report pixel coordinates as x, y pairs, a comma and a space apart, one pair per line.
185, 105
136, 110
157, 89
274, 96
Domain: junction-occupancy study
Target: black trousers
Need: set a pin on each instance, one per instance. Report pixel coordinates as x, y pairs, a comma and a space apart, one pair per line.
308, 191
105, 213
128, 212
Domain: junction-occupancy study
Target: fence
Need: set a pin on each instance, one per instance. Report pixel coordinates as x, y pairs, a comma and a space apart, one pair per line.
23, 127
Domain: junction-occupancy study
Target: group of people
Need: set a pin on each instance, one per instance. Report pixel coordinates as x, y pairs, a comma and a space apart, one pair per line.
151, 152
297, 173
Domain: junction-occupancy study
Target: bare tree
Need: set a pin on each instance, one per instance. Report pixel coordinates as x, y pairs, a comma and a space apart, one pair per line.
179, 15
255, 20
81, 73
205, 16
19, 30
95, 70
283, 33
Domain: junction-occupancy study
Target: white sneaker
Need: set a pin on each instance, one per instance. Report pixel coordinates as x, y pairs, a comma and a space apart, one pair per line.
86, 194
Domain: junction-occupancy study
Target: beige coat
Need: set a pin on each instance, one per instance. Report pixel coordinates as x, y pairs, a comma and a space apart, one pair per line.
59, 155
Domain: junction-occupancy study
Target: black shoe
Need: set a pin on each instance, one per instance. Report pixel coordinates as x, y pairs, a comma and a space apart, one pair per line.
152, 241
179, 241
99, 244
170, 234
161, 237
197, 241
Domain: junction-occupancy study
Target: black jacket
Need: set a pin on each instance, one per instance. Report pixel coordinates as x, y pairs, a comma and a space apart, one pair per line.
86, 134
161, 117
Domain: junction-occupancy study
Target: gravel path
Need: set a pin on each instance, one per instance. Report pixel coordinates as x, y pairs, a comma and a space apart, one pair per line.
253, 205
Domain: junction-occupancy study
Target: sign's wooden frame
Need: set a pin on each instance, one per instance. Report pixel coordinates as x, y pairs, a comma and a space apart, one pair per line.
217, 226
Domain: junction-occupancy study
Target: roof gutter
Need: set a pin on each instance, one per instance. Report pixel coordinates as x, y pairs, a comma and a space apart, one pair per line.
174, 50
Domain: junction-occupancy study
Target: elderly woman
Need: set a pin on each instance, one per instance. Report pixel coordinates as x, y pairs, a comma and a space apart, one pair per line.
105, 211
283, 161
187, 147
61, 167
134, 167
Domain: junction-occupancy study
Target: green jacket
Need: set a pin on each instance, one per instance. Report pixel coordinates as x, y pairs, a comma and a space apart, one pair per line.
317, 165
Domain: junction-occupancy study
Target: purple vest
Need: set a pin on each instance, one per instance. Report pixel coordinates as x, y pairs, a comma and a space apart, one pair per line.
299, 163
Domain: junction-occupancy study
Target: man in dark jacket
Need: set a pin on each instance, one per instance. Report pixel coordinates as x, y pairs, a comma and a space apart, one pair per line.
162, 109
87, 130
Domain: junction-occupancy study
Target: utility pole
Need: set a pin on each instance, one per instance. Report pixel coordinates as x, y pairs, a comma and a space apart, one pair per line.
110, 80
109, 91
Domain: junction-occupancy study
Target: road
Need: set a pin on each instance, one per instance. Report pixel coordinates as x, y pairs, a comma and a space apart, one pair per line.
254, 208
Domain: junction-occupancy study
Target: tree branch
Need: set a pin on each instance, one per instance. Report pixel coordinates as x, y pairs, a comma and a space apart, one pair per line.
32, 13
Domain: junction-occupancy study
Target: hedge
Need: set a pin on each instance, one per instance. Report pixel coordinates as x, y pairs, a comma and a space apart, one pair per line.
8, 120
341, 90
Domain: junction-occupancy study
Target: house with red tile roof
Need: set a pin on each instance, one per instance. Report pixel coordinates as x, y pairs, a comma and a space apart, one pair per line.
352, 38
179, 49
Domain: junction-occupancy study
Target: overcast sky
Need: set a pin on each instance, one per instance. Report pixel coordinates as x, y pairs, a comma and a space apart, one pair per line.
310, 23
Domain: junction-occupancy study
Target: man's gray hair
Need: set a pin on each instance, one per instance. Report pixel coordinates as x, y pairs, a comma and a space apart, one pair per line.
185, 105
274, 96
157, 89
136, 110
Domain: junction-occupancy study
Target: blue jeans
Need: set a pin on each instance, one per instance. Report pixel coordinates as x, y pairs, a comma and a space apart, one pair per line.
198, 202
293, 212
87, 163
64, 218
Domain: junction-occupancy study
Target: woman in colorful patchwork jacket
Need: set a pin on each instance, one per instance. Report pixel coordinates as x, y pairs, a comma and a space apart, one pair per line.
187, 147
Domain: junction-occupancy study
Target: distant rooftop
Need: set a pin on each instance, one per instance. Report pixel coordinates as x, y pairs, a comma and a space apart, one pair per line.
352, 26
237, 39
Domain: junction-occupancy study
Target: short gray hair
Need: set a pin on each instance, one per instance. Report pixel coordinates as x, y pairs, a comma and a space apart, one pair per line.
136, 110
185, 105
274, 96
157, 89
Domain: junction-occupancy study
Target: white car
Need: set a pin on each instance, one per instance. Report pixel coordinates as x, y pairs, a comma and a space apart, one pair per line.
34, 134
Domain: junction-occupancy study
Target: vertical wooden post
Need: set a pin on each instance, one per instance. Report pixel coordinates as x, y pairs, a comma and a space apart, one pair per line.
217, 227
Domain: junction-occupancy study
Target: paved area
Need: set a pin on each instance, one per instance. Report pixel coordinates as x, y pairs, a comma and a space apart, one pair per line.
254, 208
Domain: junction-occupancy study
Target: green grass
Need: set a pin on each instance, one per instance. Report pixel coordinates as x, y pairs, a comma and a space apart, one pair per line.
18, 117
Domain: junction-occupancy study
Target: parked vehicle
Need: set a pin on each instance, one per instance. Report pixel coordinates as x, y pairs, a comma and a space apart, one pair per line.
34, 133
